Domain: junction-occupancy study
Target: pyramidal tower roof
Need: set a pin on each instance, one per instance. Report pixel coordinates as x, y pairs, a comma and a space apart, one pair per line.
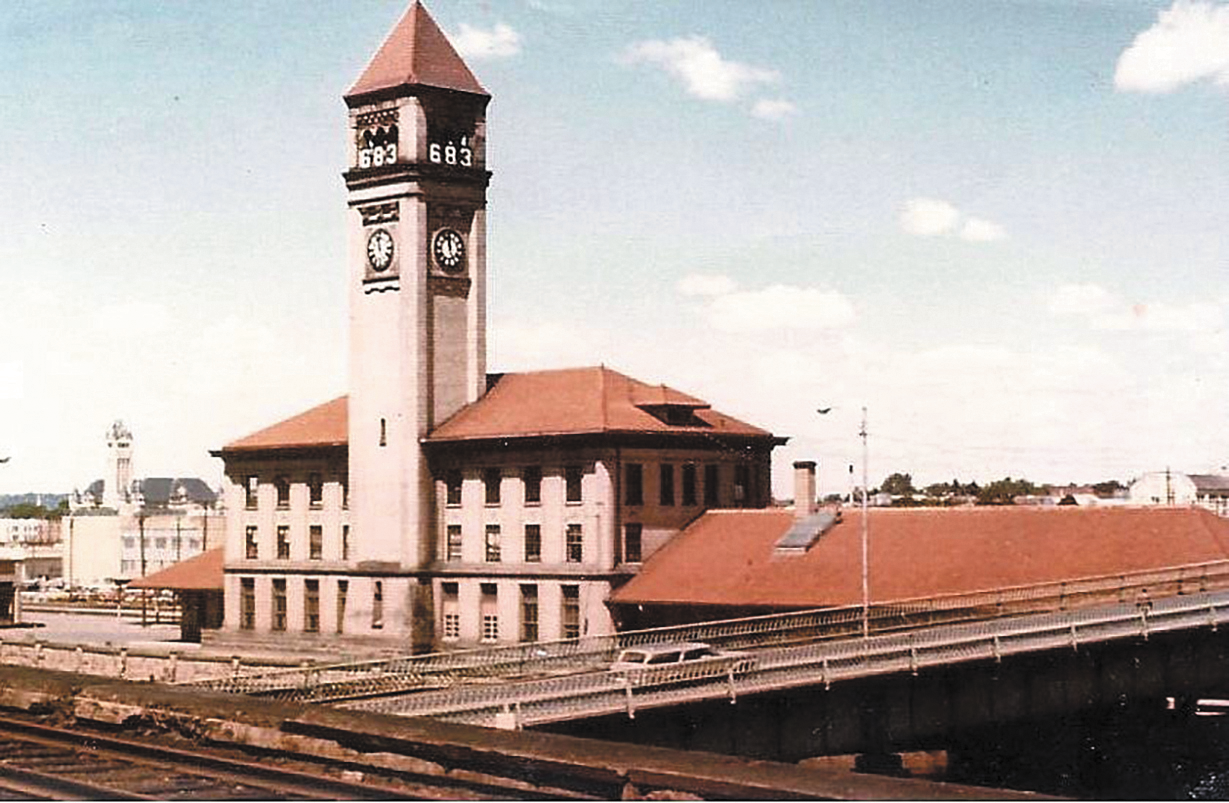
416, 53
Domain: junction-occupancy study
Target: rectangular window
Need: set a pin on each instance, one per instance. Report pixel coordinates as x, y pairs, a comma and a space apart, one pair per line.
282, 484
689, 484
492, 543
343, 590
492, 478
315, 489
570, 611
247, 603
575, 544
489, 610
251, 544
283, 542
311, 606
345, 542
533, 543
279, 604
712, 493
451, 612
529, 612
377, 605
454, 542
452, 483
574, 480
631, 542
315, 542
251, 489
634, 481
345, 492
665, 476
742, 481
532, 477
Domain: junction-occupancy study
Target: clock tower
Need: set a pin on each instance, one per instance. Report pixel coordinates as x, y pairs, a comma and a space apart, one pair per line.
416, 185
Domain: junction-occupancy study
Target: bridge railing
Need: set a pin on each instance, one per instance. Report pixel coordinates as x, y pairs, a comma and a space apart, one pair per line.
444, 669
601, 692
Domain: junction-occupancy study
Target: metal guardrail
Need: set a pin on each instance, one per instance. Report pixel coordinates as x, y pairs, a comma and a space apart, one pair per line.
602, 692
324, 683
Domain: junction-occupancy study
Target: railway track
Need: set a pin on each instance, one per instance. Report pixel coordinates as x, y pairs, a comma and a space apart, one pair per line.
40, 761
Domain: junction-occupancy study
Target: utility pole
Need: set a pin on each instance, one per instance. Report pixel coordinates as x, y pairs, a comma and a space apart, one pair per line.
866, 586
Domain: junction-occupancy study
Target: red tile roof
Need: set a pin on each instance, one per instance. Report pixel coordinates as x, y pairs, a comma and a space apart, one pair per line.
570, 401
416, 53
726, 557
325, 425
574, 401
201, 573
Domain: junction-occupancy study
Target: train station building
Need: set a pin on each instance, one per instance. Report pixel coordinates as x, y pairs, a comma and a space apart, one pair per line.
439, 504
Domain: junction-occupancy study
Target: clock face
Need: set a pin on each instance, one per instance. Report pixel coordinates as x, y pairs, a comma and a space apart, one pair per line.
380, 250
448, 248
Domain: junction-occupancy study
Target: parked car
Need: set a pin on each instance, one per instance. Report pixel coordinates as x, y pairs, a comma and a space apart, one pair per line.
670, 662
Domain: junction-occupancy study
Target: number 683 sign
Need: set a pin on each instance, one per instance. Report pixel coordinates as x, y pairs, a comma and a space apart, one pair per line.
377, 156
450, 153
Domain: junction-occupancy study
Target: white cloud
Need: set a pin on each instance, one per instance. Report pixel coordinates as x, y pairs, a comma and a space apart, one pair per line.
703, 71
928, 217
931, 217
976, 230
1081, 299
1204, 321
476, 43
1189, 42
701, 284
779, 307
767, 109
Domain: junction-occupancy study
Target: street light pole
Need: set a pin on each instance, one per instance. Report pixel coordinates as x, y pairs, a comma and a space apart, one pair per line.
866, 586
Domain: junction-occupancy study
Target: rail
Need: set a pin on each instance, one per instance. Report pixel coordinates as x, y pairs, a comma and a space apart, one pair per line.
602, 692
352, 680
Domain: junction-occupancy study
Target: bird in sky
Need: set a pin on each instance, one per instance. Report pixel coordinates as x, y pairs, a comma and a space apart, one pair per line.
4, 459
824, 410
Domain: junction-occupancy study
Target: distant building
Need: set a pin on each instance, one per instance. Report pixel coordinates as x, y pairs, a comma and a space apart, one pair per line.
1210, 491
38, 542
121, 527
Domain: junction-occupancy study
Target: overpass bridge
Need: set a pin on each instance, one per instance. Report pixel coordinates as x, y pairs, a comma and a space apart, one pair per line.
524, 685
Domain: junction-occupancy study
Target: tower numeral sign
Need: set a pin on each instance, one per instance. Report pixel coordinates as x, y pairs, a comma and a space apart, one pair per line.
451, 153
377, 156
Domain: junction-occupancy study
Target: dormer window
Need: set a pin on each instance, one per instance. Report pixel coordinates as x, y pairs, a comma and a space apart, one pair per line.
675, 415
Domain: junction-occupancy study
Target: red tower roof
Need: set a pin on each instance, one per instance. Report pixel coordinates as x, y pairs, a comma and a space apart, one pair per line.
416, 53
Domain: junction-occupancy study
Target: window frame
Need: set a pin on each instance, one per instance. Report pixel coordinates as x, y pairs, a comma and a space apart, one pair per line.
574, 543
531, 480
574, 484
633, 484
534, 555
665, 484
492, 551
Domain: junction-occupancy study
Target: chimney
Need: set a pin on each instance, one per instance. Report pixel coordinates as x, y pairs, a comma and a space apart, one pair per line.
804, 489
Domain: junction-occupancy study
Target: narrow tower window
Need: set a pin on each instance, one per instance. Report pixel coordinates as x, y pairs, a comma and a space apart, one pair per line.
383, 432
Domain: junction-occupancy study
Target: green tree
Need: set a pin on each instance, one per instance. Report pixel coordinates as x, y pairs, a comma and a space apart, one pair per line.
899, 484
26, 510
1108, 488
1005, 491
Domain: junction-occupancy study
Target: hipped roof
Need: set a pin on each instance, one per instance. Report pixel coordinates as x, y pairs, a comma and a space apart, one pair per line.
570, 401
200, 573
726, 557
416, 53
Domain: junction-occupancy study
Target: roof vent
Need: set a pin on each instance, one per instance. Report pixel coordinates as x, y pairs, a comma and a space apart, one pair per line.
805, 532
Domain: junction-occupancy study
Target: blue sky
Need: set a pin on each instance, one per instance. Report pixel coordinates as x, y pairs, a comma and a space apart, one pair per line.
998, 225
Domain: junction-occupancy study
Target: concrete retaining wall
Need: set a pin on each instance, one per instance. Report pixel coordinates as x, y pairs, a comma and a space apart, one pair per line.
163, 665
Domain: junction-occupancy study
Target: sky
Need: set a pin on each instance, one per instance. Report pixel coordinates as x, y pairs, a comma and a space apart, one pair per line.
999, 228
